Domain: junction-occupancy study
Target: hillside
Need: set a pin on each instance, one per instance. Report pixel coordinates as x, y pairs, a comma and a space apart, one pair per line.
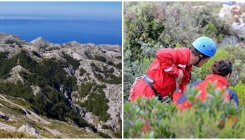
67, 90
150, 26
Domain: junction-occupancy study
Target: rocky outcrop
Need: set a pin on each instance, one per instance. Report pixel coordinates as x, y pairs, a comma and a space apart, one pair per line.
36, 90
7, 127
15, 77
29, 130
53, 132
40, 42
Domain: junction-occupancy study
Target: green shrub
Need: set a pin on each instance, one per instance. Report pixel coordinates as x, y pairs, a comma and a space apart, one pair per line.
104, 135
149, 26
108, 77
202, 72
85, 89
82, 71
239, 88
75, 63
96, 102
208, 119
51, 102
237, 57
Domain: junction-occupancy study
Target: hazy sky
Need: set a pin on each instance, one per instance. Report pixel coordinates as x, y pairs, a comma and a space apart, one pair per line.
61, 10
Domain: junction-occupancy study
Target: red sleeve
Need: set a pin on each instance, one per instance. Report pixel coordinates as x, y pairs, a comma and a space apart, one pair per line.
168, 59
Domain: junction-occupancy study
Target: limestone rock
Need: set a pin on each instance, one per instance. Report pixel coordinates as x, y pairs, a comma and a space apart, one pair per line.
40, 42
29, 130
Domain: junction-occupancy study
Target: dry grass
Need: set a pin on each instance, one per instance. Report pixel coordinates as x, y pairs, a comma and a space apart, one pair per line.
6, 134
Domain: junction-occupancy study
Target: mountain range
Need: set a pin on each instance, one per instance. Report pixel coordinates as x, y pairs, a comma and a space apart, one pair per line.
68, 90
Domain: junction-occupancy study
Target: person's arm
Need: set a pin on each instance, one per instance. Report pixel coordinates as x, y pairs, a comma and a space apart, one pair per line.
233, 96
168, 59
183, 84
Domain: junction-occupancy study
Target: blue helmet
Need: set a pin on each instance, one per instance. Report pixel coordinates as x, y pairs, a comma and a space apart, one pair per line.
205, 45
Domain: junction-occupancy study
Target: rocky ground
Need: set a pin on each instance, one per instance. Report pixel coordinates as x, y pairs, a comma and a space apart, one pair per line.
82, 52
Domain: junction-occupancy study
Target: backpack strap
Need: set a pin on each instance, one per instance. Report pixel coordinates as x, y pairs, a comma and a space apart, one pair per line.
233, 95
184, 96
149, 82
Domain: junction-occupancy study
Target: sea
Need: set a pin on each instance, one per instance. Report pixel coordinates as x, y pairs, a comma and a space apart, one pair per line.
60, 31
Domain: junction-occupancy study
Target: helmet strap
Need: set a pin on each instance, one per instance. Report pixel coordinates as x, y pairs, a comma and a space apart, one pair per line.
199, 59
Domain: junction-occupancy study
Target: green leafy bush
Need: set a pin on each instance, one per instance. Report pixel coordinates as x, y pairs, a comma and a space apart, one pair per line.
212, 118
108, 76
239, 88
96, 101
149, 26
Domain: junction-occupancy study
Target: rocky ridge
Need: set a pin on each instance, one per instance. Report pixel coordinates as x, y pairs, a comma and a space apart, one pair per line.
102, 56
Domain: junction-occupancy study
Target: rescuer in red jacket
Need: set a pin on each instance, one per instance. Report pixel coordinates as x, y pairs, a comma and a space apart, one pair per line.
221, 71
170, 64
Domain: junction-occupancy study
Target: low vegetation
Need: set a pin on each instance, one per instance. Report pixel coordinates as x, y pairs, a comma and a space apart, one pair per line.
149, 26
213, 118
50, 102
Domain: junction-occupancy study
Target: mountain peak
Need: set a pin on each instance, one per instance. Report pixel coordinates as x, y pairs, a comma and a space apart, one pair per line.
40, 42
7, 38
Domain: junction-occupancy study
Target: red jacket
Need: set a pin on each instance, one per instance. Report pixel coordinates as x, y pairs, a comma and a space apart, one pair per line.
221, 83
163, 71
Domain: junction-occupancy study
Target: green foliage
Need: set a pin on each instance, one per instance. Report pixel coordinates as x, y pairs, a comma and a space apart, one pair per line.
201, 73
16, 90
6, 65
51, 102
82, 71
149, 26
96, 102
85, 89
45, 73
213, 118
104, 135
100, 58
106, 126
234, 54
239, 88
36, 54
108, 77
104, 60
75, 63
237, 57
211, 25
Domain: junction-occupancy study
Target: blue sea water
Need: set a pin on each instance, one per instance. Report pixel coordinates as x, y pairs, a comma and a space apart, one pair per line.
63, 31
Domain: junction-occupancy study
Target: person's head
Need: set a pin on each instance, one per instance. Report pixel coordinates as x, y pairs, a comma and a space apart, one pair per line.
222, 67
202, 49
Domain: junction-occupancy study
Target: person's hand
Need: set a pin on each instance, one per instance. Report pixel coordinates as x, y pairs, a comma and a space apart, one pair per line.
181, 75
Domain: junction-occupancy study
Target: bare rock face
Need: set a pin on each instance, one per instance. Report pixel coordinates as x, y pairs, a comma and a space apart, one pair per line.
103, 56
29, 130
40, 42
15, 77
9, 39
36, 90
115, 105
70, 70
